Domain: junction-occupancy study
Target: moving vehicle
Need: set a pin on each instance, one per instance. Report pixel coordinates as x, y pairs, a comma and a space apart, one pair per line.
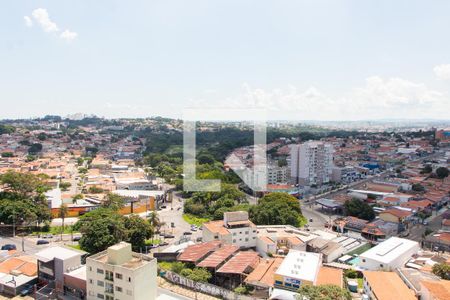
42, 242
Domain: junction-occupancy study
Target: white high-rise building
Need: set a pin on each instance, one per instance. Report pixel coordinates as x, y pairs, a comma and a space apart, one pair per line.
119, 273
311, 163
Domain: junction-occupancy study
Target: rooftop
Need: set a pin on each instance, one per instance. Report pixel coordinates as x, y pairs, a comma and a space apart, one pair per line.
59, 252
388, 286
329, 275
198, 252
440, 290
262, 275
390, 249
239, 263
300, 265
218, 257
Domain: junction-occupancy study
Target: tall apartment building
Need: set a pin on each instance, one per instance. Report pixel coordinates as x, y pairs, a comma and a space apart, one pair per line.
119, 273
311, 163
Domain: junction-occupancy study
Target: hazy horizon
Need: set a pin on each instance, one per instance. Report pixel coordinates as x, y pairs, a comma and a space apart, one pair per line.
301, 60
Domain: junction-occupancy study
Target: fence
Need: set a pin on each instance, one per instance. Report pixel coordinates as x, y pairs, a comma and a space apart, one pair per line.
206, 288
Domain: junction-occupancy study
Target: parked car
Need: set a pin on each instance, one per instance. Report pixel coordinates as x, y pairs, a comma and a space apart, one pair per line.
187, 233
9, 247
42, 242
76, 238
163, 244
168, 236
47, 236
199, 239
163, 206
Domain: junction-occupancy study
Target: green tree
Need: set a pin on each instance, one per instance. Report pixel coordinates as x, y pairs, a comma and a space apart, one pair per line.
7, 154
101, 228
95, 190
155, 222
442, 172
277, 209
442, 270
25, 185
360, 209
323, 292
113, 201
138, 230
200, 274
65, 185
205, 158
177, 267
35, 148
62, 213
417, 187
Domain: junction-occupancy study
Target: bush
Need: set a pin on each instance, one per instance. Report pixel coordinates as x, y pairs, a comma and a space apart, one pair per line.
177, 267
241, 290
186, 272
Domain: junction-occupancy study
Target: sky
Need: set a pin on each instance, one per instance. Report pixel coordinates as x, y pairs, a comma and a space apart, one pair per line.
298, 60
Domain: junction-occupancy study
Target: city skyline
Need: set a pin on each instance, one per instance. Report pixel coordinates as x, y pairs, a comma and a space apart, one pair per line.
301, 61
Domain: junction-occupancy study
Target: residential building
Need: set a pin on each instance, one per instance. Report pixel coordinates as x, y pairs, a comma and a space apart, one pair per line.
16, 273
388, 255
435, 290
235, 229
311, 163
119, 273
385, 286
330, 250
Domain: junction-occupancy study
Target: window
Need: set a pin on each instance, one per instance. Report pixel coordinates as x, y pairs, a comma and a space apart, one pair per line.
100, 296
381, 266
129, 279
91, 281
90, 268
109, 297
99, 271
246, 239
119, 289
234, 241
109, 275
109, 288
364, 260
100, 283
246, 232
278, 282
234, 233
119, 276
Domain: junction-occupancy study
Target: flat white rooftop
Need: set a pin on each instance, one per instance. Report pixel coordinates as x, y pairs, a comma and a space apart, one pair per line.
62, 253
138, 193
300, 265
390, 250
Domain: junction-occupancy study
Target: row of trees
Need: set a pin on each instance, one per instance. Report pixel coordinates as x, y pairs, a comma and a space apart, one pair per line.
105, 227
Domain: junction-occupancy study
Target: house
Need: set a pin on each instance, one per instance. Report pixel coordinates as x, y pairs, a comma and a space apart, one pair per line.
388, 255
235, 229
435, 290
385, 286
198, 252
16, 273
262, 277
330, 250
395, 215
119, 273
446, 224
53, 262
331, 276
235, 270
298, 268
438, 241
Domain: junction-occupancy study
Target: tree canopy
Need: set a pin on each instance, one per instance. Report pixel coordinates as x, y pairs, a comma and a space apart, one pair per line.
360, 209
323, 292
277, 209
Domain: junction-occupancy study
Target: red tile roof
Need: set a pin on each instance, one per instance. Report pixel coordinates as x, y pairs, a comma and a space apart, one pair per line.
198, 252
240, 263
218, 257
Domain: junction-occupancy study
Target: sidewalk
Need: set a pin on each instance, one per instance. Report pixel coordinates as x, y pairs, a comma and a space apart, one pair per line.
162, 283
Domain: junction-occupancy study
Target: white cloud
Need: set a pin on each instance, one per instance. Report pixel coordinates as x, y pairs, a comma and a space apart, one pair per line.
442, 72
41, 16
28, 21
68, 35
378, 98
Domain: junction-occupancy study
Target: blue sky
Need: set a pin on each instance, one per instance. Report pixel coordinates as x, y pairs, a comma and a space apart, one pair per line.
321, 60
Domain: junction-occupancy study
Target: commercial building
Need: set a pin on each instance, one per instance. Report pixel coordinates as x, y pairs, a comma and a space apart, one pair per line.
311, 163
298, 267
53, 262
388, 255
235, 229
119, 273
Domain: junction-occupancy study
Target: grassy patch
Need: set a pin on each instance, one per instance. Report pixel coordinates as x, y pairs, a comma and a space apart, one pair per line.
165, 265
152, 242
75, 246
360, 249
193, 220
360, 282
